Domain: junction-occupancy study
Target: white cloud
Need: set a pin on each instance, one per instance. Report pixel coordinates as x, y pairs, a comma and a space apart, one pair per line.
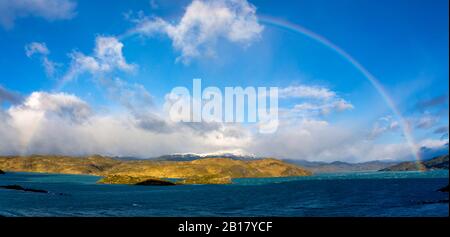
384, 125
58, 123
64, 124
203, 24
51, 10
310, 92
36, 48
323, 108
107, 57
300, 139
426, 121
38, 112
316, 101
49, 66
41, 49
433, 143
341, 105
59, 104
317, 140
108, 50
132, 96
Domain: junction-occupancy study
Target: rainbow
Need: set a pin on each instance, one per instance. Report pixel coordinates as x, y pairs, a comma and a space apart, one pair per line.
406, 129
283, 24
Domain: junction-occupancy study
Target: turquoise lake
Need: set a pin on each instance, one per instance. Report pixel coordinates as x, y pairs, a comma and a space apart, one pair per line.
390, 194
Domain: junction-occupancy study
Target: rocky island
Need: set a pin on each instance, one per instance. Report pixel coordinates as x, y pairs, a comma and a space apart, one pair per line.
151, 172
444, 189
20, 188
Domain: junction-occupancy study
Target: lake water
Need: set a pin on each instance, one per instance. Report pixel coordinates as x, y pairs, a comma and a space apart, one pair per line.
343, 195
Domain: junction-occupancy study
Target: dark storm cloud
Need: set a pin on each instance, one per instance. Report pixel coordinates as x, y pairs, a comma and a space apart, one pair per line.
9, 96
433, 102
440, 130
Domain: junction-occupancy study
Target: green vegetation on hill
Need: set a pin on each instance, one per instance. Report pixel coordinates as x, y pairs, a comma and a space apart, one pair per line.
215, 179
440, 162
213, 170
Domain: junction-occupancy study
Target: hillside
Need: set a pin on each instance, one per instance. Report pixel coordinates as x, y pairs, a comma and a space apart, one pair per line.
105, 166
339, 166
440, 162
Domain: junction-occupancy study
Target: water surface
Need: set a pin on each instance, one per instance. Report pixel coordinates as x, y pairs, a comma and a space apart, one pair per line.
339, 194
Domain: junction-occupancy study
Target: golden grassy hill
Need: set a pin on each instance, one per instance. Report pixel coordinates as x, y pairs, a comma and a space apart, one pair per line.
220, 168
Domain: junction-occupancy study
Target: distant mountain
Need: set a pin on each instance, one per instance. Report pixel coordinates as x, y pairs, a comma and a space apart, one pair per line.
178, 157
193, 156
127, 158
440, 162
339, 166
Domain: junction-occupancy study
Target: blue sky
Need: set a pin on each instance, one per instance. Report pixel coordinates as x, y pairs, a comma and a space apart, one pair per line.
403, 43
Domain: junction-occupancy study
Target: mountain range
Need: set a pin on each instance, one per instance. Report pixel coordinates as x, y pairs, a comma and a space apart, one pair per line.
194, 156
439, 162
340, 166
313, 166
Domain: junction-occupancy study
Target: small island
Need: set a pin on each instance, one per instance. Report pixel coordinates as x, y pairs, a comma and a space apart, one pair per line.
125, 179
20, 188
444, 189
